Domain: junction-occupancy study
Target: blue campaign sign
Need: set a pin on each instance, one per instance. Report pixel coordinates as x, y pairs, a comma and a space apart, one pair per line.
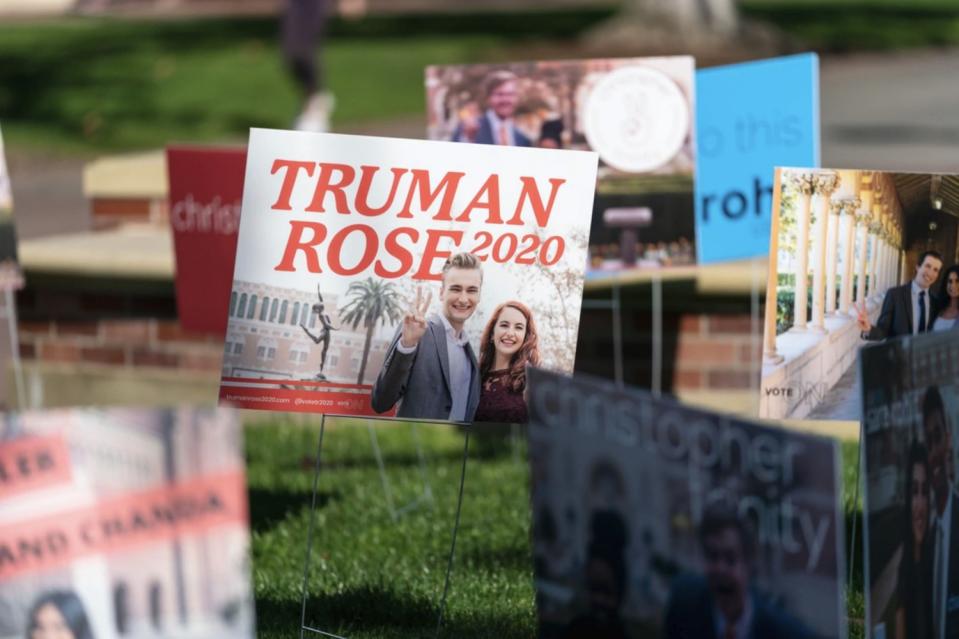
750, 118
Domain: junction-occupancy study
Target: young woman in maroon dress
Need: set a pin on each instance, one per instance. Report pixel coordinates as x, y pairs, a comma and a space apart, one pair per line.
508, 344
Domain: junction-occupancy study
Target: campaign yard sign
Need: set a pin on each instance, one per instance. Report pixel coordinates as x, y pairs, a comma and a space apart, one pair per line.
910, 408
206, 188
856, 256
637, 114
123, 522
653, 519
340, 301
750, 118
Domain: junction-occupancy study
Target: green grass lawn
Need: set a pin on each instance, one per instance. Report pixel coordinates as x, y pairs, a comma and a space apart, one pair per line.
862, 25
95, 85
373, 577
110, 85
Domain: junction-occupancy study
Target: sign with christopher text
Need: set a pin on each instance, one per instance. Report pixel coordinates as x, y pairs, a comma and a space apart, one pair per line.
652, 519
206, 187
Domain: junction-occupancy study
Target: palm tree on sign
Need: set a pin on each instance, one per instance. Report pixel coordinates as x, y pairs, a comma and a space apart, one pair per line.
371, 301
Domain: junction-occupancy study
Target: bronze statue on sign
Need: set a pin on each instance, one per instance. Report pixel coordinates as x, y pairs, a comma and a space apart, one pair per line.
323, 337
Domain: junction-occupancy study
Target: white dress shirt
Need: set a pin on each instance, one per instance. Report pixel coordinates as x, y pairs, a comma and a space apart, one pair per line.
460, 371
496, 124
743, 624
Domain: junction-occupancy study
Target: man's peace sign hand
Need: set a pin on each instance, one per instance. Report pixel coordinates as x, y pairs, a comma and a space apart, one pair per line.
414, 322
862, 318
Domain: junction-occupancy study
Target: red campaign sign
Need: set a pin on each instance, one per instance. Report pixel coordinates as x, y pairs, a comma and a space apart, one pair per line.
206, 189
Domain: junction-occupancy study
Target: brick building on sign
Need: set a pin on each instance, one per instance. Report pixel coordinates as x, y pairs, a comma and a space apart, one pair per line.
265, 338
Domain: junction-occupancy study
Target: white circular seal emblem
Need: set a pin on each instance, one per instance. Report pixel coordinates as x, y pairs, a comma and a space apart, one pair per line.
636, 118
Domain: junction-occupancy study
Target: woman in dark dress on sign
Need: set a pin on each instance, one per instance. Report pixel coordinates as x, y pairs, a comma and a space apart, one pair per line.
508, 344
948, 317
914, 614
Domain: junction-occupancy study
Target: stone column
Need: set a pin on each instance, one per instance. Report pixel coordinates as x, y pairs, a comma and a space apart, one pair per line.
904, 274
884, 279
900, 257
866, 194
862, 230
832, 257
880, 258
805, 185
873, 245
770, 356
897, 263
890, 258
874, 213
826, 183
847, 212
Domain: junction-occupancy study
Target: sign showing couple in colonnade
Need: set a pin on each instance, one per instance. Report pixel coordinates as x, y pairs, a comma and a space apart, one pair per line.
856, 257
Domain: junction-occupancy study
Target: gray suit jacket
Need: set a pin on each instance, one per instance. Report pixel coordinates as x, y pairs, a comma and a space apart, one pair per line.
420, 380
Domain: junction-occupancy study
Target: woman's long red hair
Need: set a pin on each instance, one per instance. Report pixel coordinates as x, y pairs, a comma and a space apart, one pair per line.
528, 353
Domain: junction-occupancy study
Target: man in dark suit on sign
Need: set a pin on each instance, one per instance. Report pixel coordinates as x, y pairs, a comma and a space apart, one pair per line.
908, 309
430, 367
495, 125
721, 604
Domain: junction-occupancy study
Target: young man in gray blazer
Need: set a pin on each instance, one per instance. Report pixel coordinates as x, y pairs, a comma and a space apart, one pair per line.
430, 367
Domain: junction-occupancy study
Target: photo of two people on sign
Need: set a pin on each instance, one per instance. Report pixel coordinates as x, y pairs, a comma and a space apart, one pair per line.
431, 370
722, 601
917, 306
927, 581
911, 403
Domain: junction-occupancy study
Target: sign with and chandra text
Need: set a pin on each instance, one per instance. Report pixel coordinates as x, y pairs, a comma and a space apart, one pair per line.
103, 508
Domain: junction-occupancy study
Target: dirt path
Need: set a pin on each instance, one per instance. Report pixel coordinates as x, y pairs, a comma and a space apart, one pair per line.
891, 111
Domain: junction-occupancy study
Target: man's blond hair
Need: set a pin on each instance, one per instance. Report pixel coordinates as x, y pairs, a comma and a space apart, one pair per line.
462, 260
